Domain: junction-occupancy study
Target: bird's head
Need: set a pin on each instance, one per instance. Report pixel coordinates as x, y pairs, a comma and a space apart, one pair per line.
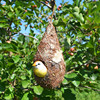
37, 63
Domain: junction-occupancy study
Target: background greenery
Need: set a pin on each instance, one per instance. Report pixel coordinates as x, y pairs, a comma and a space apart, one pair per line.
77, 26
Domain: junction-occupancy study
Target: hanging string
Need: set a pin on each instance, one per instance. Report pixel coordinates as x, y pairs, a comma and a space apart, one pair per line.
53, 9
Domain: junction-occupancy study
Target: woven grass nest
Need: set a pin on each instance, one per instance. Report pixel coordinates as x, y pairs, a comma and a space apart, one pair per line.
49, 52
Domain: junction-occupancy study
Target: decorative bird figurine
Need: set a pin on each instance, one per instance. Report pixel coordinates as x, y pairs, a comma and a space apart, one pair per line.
39, 69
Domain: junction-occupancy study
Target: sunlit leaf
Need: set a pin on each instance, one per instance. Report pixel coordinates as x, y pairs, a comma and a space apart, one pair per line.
38, 90
25, 83
76, 83
25, 96
71, 75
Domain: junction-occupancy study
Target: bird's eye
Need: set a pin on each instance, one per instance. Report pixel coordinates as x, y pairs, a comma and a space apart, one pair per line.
38, 63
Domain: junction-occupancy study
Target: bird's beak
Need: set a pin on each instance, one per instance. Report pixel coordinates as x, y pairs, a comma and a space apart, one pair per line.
34, 64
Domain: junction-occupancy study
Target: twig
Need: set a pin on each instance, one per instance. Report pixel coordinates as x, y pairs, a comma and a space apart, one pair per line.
24, 33
83, 87
83, 31
90, 88
46, 5
29, 36
71, 71
95, 63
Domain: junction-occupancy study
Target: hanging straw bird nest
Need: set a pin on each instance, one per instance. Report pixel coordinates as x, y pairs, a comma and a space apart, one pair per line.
50, 54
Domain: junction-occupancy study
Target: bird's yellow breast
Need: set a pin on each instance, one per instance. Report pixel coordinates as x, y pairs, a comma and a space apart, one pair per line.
40, 72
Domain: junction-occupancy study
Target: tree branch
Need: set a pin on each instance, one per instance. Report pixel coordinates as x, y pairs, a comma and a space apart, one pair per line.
29, 36
90, 88
46, 4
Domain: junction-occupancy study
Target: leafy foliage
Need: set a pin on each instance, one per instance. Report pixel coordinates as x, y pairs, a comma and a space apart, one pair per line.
78, 27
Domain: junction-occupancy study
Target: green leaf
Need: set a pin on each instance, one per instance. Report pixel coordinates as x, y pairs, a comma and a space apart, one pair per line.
21, 38
69, 40
11, 88
4, 25
25, 83
10, 14
93, 77
76, 83
64, 81
97, 18
90, 45
11, 9
6, 46
8, 97
76, 14
61, 22
25, 96
71, 75
38, 90
17, 12
16, 58
77, 2
55, 22
23, 77
2, 19
76, 9
79, 16
10, 63
58, 94
1, 56
62, 89
13, 76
